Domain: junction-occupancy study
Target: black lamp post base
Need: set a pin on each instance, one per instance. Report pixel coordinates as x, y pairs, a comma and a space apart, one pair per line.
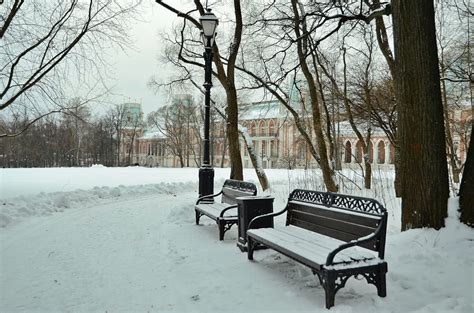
206, 181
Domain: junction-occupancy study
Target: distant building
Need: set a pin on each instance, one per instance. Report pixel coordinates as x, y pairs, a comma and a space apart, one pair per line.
155, 146
276, 140
132, 128
133, 114
279, 143
151, 150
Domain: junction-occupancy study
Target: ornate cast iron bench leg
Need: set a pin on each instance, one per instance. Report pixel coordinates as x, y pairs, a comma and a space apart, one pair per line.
224, 226
329, 284
250, 247
198, 216
381, 280
221, 225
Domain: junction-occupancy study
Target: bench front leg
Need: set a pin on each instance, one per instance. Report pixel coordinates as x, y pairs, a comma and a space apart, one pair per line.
380, 278
381, 285
250, 247
198, 216
221, 224
329, 285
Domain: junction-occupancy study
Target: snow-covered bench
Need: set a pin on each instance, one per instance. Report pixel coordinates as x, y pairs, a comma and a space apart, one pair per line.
337, 236
219, 211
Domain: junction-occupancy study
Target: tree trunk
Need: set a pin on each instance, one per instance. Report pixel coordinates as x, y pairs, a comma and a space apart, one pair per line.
262, 177
466, 191
368, 175
367, 162
236, 171
181, 160
119, 139
424, 181
224, 149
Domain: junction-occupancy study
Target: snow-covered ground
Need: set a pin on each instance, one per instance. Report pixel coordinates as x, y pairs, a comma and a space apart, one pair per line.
124, 240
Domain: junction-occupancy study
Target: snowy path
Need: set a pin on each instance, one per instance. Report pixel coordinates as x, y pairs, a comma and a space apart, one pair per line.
143, 253
121, 256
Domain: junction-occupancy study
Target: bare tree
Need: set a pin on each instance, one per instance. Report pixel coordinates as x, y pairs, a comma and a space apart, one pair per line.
356, 94
78, 117
366, 99
132, 130
285, 38
284, 43
116, 118
384, 45
49, 46
453, 46
301, 31
70, 139
177, 123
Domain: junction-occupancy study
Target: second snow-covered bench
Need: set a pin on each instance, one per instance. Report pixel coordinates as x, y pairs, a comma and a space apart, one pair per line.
337, 236
220, 212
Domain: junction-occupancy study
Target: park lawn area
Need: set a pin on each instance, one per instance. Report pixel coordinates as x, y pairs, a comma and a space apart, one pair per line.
124, 240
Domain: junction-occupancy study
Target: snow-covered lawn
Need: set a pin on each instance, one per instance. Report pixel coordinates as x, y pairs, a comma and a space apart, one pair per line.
124, 240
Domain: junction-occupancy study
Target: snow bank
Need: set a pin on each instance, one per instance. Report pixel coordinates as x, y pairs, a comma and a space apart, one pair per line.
435, 267
56, 189
44, 204
97, 165
32, 181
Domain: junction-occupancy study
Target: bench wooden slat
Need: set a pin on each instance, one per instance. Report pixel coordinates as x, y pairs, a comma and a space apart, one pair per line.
317, 220
340, 224
351, 217
331, 232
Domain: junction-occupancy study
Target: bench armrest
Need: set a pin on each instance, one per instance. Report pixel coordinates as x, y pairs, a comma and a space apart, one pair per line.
253, 221
208, 197
380, 231
228, 208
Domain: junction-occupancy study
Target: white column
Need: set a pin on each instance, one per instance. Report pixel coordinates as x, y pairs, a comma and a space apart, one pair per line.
387, 152
354, 152
375, 148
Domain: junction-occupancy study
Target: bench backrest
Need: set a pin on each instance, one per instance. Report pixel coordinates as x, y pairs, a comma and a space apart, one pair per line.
236, 188
338, 216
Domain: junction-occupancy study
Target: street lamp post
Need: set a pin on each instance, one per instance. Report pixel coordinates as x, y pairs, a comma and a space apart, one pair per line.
206, 172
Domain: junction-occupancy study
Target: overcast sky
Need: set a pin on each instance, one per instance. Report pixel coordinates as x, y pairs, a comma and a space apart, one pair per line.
132, 70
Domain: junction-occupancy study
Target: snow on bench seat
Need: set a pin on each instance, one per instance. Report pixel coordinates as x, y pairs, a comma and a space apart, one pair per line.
213, 210
310, 247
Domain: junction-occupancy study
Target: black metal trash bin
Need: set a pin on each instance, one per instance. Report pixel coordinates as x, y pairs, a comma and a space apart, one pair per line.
248, 208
